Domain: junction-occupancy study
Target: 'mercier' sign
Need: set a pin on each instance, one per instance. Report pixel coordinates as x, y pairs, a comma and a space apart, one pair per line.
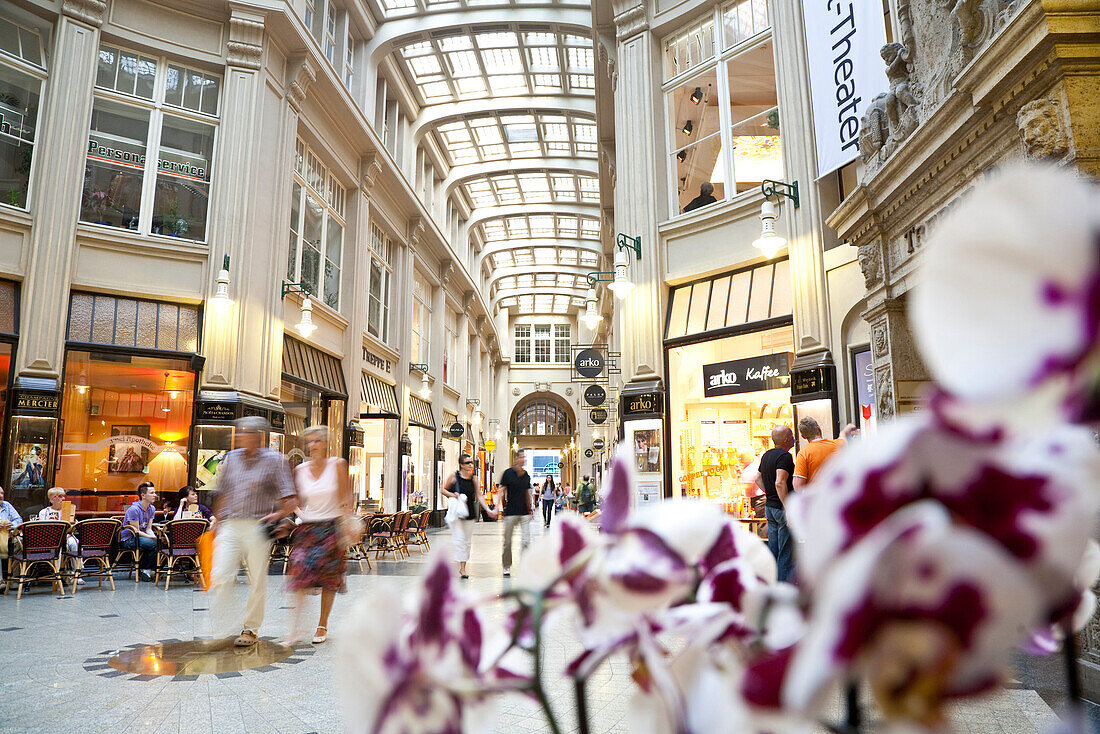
843, 40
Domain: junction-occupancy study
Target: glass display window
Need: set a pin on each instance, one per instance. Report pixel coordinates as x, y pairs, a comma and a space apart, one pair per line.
717, 441
368, 463
125, 419
307, 406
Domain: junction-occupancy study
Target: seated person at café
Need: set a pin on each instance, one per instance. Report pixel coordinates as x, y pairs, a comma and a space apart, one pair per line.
137, 528
185, 498
52, 511
9, 521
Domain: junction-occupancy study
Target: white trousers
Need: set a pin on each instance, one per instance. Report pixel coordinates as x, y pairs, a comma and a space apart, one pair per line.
510, 522
462, 532
238, 540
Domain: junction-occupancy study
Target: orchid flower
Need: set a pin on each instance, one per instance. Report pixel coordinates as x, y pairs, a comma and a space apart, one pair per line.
417, 671
923, 609
1031, 495
1007, 309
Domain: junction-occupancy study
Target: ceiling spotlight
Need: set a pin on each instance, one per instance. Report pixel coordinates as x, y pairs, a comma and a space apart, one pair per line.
591, 318
687, 128
682, 156
697, 95
306, 326
769, 241
621, 285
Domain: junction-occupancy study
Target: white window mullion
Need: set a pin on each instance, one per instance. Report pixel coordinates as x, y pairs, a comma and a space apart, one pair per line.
730, 188
149, 180
301, 231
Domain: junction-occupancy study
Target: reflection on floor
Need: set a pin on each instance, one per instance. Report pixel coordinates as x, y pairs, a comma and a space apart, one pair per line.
89, 664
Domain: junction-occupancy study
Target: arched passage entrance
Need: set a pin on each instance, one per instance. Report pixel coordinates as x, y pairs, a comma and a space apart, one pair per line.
544, 424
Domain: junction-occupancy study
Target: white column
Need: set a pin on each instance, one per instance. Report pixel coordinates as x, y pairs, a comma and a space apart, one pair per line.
638, 194
55, 204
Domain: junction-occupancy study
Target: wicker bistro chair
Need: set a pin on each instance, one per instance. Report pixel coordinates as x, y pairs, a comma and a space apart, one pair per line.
280, 551
400, 526
179, 540
415, 532
382, 535
42, 544
358, 552
96, 537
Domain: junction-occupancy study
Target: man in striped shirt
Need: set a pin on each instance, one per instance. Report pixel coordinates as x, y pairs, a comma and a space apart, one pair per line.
254, 491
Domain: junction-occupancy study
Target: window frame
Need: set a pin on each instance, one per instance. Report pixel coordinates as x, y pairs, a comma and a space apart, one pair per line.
717, 63
379, 253
333, 201
157, 109
42, 75
561, 341
522, 343
422, 315
450, 346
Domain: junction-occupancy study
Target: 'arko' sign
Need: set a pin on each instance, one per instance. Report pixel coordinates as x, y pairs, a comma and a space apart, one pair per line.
746, 375
589, 363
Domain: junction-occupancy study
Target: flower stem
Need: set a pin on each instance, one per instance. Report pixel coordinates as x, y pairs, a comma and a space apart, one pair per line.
851, 694
1073, 676
537, 687
582, 704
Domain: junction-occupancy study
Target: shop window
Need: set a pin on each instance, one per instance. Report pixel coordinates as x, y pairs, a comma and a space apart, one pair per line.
450, 348
21, 78
418, 490
128, 322
695, 141
743, 20
316, 229
422, 322
523, 343
126, 419
754, 119
730, 300
5, 382
562, 343
378, 288
150, 146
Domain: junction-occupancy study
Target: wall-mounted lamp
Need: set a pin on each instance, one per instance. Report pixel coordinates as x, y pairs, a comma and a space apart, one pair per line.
687, 128
591, 317
82, 383
770, 242
425, 385
496, 431
305, 325
221, 300
472, 402
697, 95
515, 445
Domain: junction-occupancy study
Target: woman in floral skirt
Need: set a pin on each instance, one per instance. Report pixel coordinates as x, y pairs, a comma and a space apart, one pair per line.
317, 557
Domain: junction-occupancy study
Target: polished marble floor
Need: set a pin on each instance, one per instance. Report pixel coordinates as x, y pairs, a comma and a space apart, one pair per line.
57, 675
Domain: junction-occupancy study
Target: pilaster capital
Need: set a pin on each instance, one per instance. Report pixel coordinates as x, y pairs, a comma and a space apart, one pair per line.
630, 18
245, 47
91, 12
372, 166
303, 75
467, 302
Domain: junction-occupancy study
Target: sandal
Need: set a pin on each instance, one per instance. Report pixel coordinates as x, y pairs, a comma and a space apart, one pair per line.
247, 638
320, 636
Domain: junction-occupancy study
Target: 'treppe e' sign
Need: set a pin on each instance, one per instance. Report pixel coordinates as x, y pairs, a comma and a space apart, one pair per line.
589, 363
746, 375
595, 395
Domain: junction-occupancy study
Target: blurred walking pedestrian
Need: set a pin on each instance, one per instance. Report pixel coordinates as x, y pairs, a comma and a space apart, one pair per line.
516, 497
549, 494
463, 485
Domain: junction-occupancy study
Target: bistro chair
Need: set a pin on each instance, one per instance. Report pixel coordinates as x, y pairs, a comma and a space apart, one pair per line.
96, 537
381, 535
179, 541
357, 551
400, 527
42, 544
415, 533
280, 551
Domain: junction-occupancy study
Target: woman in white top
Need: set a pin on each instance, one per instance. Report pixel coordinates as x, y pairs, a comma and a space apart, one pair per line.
317, 557
56, 495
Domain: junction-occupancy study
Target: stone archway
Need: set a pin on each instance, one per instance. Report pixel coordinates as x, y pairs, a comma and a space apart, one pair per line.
544, 421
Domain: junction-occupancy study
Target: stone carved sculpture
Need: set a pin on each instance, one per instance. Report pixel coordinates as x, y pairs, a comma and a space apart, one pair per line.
967, 14
1042, 129
870, 262
884, 391
892, 116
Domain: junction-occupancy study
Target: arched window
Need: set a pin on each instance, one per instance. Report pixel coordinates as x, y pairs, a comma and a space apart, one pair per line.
541, 417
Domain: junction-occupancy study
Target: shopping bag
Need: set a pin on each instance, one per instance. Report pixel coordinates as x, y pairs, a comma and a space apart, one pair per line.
206, 558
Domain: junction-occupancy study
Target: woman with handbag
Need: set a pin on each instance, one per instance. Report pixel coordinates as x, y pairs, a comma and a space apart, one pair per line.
318, 547
464, 487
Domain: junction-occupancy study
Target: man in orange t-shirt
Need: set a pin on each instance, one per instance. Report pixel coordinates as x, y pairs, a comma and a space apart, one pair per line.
814, 454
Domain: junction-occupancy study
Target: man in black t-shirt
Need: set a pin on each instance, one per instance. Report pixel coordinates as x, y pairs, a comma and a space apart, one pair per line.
776, 470
516, 484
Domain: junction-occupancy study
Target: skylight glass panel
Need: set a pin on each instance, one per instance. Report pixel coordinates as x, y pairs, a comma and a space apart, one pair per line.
487, 135
470, 86
463, 63
545, 256
581, 81
555, 131
574, 40
391, 5
497, 40
590, 229
435, 91
521, 133
501, 60
540, 39
584, 131
579, 58
425, 67
547, 82
586, 148
455, 43
543, 58
508, 84
524, 257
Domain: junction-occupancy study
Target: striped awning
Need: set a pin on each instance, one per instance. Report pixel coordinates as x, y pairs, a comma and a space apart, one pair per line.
379, 398
303, 363
420, 413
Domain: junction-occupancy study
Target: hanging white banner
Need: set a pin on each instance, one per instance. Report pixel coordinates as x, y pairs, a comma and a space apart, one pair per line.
843, 40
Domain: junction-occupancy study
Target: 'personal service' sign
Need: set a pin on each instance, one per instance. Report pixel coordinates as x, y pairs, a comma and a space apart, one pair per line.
843, 38
746, 375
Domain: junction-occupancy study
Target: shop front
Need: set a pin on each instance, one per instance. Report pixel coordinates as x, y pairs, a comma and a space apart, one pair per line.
9, 326
126, 408
379, 422
729, 350
418, 486
312, 393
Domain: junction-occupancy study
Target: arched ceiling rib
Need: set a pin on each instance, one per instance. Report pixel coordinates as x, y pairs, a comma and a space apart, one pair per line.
512, 105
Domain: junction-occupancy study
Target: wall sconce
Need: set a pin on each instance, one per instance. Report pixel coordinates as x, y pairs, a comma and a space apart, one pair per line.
618, 282
770, 242
221, 300
591, 318
82, 383
687, 128
697, 96
305, 325
515, 445
425, 385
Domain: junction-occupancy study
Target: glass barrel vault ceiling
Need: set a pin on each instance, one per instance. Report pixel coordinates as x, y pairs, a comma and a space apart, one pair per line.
553, 140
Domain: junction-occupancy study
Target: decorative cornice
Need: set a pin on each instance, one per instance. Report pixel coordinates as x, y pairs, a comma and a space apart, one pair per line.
446, 271
304, 75
372, 166
86, 11
630, 22
416, 231
245, 47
